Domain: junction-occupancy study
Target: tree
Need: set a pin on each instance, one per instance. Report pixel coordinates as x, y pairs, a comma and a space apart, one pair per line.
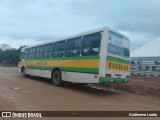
8, 54
5, 46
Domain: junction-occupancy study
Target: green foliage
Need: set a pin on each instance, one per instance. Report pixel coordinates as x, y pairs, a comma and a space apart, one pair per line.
9, 55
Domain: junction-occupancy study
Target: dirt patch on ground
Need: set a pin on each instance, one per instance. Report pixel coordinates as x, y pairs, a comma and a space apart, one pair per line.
142, 85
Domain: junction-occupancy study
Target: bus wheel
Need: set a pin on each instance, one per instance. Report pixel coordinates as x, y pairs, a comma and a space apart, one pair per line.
57, 78
23, 72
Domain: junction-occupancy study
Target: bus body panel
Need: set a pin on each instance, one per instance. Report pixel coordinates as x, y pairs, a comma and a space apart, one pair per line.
76, 77
103, 53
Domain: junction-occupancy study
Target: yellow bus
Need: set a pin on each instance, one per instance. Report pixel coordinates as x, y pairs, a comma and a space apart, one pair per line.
96, 56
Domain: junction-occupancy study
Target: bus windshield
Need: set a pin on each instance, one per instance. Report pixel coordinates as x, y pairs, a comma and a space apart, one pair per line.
118, 45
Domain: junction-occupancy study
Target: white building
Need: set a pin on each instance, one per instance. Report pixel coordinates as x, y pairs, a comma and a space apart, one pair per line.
146, 59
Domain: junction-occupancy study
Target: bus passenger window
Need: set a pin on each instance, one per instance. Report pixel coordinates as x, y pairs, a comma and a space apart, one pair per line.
55, 52
69, 48
91, 44
26, 53
73, 47
31, 53
47, 53
77, 47
59, 48
21, 56
39, 52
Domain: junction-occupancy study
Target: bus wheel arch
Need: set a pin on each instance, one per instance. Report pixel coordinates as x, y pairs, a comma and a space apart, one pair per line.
56, 77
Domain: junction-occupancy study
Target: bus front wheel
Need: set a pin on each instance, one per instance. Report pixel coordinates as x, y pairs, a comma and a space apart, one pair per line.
23, 72
57, 78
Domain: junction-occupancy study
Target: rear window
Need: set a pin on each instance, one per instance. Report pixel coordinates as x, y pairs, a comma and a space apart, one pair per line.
118, 45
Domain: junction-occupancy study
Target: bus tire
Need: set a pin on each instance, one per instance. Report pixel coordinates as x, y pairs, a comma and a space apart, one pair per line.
57, 78
23, 72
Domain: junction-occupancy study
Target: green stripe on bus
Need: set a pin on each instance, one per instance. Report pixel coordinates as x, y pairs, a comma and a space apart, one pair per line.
117, 60
33, 67
113, 80
87, 70
67, 58
72, 69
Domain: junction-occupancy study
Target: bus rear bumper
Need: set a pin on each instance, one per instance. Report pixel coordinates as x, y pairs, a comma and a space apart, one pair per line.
113, 80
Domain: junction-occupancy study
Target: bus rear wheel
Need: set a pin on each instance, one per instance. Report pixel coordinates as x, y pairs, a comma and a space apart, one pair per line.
57, 78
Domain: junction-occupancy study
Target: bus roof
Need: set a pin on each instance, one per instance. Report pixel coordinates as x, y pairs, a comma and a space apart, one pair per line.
76, 35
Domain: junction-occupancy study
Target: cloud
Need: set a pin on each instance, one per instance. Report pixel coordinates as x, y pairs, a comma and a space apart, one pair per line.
16, 43
139, 19
43, 20
142, 18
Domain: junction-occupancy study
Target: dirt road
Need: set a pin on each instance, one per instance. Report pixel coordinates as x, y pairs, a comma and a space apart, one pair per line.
36, 94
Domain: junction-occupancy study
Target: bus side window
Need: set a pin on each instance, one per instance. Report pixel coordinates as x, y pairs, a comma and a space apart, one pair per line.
26, 53
21, 56
39, 52
55, 50
31, 53
73, 47
91, 44
69, 48
47, 53
50, 51
77, 47
59, 48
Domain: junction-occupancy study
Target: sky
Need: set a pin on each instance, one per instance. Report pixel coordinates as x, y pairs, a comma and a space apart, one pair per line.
28, 22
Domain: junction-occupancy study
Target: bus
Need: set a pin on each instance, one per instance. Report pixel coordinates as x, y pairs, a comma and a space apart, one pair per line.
97, 56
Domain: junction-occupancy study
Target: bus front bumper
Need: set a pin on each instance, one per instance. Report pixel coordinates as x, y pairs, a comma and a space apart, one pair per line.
113, 80
19, 69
